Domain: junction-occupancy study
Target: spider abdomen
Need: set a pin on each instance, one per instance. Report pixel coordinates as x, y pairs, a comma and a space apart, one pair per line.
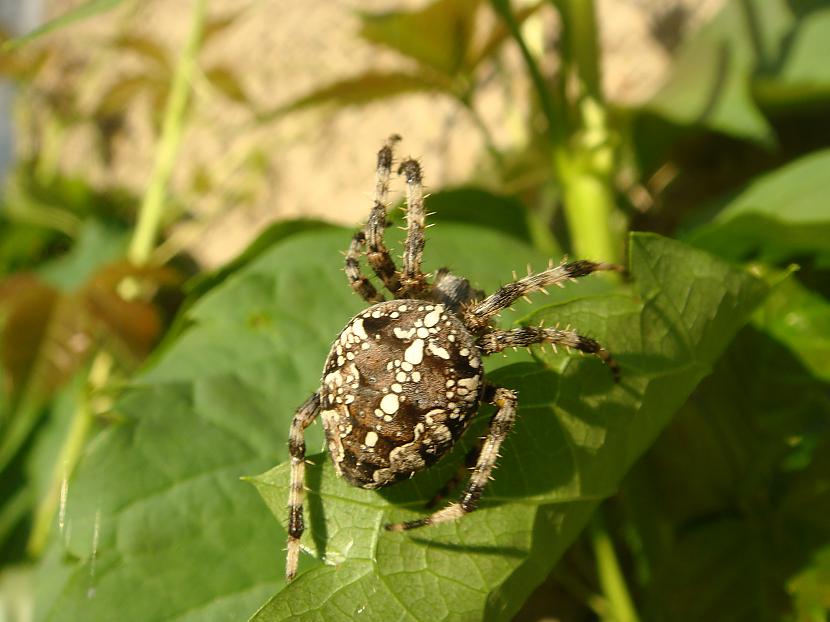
400, 385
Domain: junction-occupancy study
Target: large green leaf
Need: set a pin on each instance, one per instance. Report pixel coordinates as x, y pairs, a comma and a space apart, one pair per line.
178, 535
779, 215
156, 516
575, 437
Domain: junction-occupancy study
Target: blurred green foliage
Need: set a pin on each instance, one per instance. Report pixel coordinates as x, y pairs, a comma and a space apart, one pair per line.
134, 399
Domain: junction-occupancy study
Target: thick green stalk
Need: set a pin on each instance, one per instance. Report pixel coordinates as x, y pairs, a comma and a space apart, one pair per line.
585, 164
152, 207
581, 142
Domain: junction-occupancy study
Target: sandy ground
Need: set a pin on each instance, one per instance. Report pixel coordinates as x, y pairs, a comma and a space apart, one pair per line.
234, 176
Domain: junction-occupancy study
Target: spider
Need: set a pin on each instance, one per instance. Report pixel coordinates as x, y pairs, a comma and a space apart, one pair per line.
404, 378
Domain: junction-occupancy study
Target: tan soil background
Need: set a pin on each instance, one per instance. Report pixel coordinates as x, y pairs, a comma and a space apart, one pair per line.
318, 163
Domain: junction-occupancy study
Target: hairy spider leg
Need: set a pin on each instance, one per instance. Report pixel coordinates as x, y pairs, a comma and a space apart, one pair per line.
357, 280
296, 448
500, 426
414, 280
466, 465
377, 254
478, 316
498, 340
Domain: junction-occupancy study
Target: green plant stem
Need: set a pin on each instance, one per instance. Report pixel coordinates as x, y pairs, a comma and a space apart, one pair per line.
141, 248
581, 143
152, 207
611, 579
69, 454
585, 165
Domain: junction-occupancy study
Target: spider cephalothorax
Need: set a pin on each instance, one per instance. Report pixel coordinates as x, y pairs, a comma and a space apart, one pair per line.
404, 378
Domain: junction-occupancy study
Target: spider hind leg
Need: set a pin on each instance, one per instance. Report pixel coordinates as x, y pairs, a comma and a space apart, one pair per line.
500, 426
296, 448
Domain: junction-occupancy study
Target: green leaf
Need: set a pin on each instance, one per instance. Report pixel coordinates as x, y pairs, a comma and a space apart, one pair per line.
710, 82
88, 9
174, 522
734, 499
799, 318
437, 36
576, 435
779, 215
156, 515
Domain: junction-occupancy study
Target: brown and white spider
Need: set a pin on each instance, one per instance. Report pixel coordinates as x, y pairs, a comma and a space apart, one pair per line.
404, 378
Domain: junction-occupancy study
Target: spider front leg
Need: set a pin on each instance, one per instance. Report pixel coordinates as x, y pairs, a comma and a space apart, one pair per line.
478, 316
498, 340
378, 255
414, 280
500, 426
296, 448
357, 280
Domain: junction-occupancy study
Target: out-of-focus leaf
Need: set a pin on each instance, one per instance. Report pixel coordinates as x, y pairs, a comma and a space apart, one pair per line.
734, 498
362, 89
215, 26
147, 49
779, 215
799, 76
799, 319
225, 80
810, 589
710, 81
121, 94
81, 12
34, 332
437, 36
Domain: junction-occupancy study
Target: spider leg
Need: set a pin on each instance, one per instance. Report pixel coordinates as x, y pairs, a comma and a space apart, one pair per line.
378, 255
498, 340
500, 426
413, 278
296, 448
477, 316
469, 462
357, 280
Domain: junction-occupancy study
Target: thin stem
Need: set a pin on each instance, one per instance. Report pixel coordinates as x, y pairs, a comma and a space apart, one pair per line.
610, 575
69, 454
553, 116
141, 248
152, 207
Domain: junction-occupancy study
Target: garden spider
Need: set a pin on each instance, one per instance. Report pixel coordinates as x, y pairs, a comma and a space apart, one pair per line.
404, 378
